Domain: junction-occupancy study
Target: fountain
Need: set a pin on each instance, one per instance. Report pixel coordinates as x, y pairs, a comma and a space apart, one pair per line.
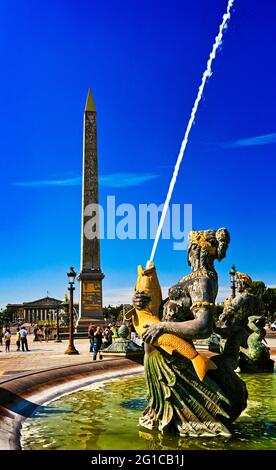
105, 417
189, 401
188, 395
245, 312
122, 346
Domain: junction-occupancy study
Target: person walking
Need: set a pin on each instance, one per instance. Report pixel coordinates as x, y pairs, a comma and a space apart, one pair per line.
97, 342
7, 338
40, 334
18, 337
91, 338
1, 336
23, 336
46, 333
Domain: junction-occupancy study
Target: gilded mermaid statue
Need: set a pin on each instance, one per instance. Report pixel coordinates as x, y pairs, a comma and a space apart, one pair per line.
188, 394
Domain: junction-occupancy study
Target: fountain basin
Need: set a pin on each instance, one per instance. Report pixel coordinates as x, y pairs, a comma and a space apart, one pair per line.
104, 416
22, 394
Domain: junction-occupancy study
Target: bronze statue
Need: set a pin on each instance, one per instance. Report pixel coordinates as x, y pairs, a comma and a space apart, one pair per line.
178, 400
243, 317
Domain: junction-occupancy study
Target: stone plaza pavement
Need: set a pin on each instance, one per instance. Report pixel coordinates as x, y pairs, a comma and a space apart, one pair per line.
48, 355
41, 356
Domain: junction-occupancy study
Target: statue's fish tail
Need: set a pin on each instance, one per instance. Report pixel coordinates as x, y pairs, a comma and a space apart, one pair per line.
171, 343
202, 365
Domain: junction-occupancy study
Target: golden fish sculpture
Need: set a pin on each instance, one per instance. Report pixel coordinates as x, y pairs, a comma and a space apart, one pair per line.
148, 283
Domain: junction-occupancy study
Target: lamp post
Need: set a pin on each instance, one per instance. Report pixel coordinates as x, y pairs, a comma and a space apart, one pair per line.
57, 340
71, 278
233, 281
109, 311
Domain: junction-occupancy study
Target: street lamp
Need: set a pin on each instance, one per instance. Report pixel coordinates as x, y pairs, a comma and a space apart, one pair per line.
57, 340
71, 279
233, 280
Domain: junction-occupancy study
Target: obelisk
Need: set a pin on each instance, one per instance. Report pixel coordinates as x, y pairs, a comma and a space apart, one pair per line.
90, 306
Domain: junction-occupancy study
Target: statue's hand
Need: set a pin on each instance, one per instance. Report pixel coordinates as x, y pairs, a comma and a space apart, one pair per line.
154, 330
140, 300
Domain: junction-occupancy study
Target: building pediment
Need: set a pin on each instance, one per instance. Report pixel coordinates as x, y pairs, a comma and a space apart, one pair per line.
43, 303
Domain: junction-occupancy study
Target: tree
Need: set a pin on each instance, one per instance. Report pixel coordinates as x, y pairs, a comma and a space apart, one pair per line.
6, 316
218, 311
117, 312
268, 296
259, 288
269, 300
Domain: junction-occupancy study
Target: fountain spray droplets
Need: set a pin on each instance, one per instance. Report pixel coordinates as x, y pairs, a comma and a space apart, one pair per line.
208, 72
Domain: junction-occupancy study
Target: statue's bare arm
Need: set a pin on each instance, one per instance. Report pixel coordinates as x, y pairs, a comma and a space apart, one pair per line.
202, 296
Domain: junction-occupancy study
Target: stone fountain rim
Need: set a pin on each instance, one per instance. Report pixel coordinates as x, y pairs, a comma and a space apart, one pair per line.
42, 387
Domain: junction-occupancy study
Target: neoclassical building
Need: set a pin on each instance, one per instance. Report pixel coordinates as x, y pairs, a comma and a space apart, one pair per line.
42, 309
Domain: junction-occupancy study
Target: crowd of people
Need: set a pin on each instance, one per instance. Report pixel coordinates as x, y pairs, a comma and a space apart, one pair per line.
20, 339
42, 333
101, 337
21, 336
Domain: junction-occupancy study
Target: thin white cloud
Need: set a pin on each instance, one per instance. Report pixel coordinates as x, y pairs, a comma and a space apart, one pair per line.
125, 180
264, 139
76, 181
118, 296
223, 293
115, 180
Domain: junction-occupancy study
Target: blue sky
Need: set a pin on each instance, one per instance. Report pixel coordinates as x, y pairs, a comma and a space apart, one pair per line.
143, 60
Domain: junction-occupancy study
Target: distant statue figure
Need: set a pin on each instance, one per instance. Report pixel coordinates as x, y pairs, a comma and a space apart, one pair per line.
186, 394
243, 314
236, 311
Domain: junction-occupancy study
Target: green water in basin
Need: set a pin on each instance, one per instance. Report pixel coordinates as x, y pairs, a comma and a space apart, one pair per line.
105, 416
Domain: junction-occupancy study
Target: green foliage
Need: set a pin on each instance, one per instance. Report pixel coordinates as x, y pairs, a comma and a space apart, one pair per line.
6, 316
259, 288
218, 311
117, 312
268, 296
269, 300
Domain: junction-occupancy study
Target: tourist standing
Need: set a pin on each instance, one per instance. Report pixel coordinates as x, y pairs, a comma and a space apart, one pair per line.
7, 338
18, 337
132, 331
114, 332
97, 342
40, 334
46, 333
91, 338
35, 333
23, 336
107, 337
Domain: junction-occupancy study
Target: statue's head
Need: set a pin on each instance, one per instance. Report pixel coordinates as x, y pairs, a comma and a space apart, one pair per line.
207, 245
244, 282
